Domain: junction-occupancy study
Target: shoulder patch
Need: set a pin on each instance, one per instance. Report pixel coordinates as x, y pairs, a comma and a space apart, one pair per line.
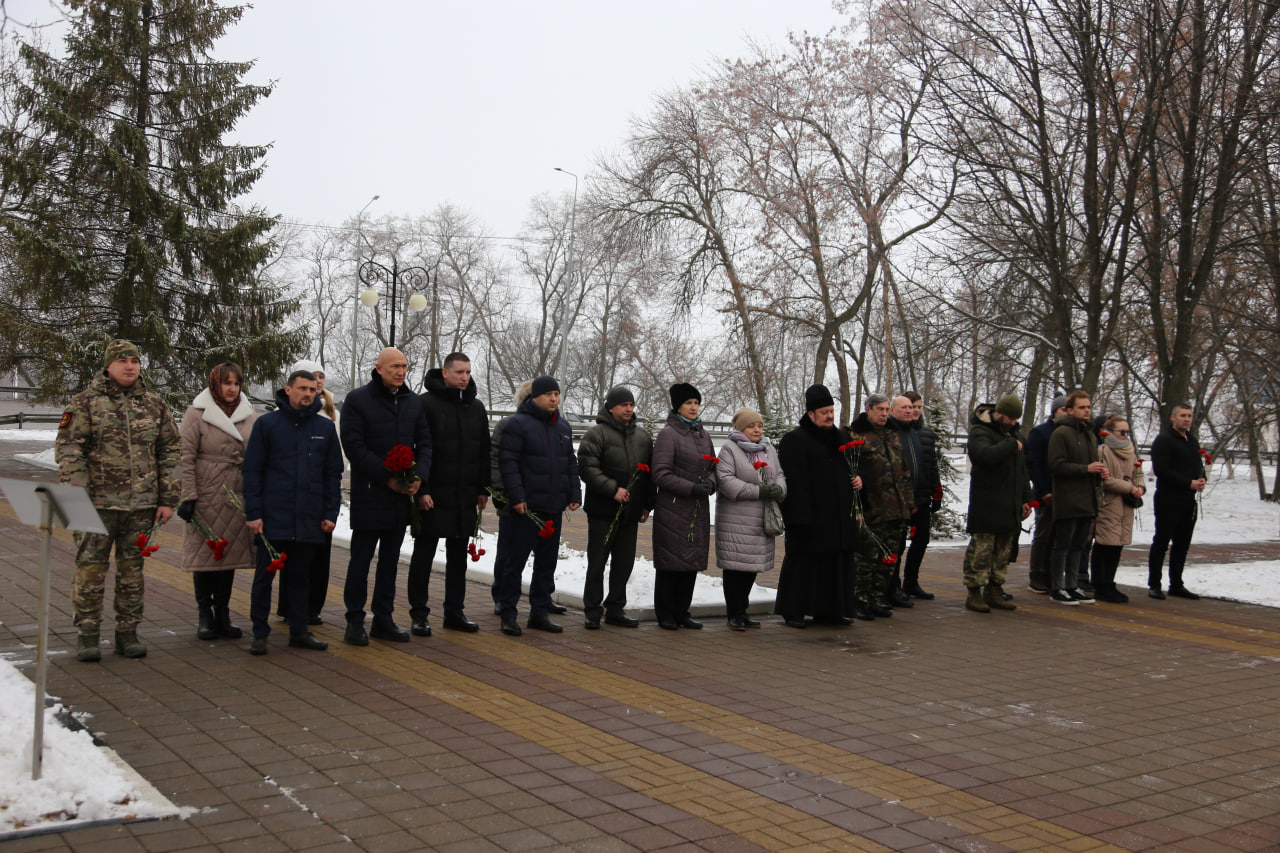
66, 420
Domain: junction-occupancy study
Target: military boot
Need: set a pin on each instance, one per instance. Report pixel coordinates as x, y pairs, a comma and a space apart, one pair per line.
127, 644
994, 596
974, 602
87, 646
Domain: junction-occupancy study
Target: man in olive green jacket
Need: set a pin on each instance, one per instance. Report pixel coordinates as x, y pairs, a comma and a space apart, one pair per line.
118, 440
1077, 489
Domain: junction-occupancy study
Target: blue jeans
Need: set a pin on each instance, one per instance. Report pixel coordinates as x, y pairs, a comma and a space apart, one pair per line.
517, 538
356, 591
1070, 537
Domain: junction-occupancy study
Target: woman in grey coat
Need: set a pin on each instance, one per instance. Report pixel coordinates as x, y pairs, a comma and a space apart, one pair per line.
750, 484
684, 470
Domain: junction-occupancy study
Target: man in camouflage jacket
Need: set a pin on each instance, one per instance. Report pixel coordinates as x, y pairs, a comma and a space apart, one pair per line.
118, 441
888, 502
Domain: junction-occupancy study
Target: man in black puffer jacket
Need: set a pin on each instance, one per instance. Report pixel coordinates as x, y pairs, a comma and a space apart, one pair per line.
1180, 477
539, 475
375, 418
919, 446
454, 494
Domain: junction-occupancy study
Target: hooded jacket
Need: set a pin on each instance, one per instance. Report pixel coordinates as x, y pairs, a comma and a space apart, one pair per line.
998, 484
459, 428
213, 446
607, 457
681, 519
537, 461
1072, 447
887, 490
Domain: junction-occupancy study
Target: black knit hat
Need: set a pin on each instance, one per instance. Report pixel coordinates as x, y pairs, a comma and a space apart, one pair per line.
542, 385
617, 396
817, 397
682, 391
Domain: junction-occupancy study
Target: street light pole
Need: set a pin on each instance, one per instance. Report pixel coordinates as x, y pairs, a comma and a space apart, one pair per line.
355, 308
373, 273
564, 311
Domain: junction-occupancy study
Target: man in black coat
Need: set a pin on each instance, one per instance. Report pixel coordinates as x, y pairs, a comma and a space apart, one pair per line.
822, 533
454, 494
919, 446
375, 418
1041, 580
1180, 476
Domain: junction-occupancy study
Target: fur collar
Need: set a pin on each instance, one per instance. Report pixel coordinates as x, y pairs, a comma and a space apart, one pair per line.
214, 416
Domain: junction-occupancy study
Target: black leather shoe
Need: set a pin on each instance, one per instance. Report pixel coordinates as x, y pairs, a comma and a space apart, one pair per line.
258, 646
307, 640
592, 624
880, 610
542, 623
898, 598
749, 622
668, 625
1183, 592
420, 628
557, 608
355, 635
916, 592
621, 620
497, 609
389, 631
460, 622
864, 614
795, 623
1156, 593
736, 624
690, 623
315, 619
845, 620
511, 628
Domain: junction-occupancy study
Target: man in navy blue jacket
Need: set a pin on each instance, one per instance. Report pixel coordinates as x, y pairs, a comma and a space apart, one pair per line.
539, 475
292, 490
375, 418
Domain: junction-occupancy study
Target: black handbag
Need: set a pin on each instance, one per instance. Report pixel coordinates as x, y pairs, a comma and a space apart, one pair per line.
1132, 500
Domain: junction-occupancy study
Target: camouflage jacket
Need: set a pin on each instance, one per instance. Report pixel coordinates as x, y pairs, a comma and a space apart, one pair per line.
122, 445
887, 491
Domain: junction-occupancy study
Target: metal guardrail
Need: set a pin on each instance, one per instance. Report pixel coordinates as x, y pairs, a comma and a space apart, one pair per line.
22, 418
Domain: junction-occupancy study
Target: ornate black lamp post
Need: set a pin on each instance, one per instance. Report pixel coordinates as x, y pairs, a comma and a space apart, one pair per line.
372, 273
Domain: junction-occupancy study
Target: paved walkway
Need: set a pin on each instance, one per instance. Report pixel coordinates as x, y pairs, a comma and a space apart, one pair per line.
1151, 726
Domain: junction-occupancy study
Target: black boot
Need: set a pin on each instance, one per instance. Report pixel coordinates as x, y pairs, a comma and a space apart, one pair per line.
222, 605
204, 603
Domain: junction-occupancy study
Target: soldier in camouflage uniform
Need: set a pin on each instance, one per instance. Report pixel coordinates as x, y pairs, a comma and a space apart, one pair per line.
999, 500
118, 441
888, 501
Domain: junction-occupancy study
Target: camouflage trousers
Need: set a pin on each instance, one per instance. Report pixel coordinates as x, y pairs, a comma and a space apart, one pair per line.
872, 576
93, 554
986, 560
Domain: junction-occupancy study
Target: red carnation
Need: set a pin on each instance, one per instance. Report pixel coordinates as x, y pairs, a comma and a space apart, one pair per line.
142, 540
1033, 504
640, 466
911, 534
709, 459
759, 463
1102, 433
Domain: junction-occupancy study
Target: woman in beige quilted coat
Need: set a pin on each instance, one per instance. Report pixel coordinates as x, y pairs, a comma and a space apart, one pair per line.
214, 431
1114, 527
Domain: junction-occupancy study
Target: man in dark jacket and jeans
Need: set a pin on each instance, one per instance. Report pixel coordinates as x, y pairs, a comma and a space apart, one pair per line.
919, 447
1040, 578
999, 499
1077, 475
540, 476
608, 457
1180, 477
375, 418
292, 490
454, 493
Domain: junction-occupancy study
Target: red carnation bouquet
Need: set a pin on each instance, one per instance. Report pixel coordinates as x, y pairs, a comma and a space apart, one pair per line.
401, 463
145, 540
640, 468
216, 543
851, 451
707, 468
277, 557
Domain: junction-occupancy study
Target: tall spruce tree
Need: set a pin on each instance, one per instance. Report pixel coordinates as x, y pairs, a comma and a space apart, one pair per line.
116, 203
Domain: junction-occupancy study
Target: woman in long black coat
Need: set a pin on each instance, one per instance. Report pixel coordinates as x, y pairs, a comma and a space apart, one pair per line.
685, 473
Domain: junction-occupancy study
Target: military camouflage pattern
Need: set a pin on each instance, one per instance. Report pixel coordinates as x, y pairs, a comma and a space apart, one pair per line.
122, 445
872, 576
986, 560
93, 553
888, 494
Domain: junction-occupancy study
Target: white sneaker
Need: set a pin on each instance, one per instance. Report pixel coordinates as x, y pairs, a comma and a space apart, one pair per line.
1082, 596
1063, 597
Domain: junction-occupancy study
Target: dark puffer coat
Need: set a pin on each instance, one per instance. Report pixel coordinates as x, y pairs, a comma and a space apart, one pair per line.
998, 484
817, 510
920, 450
459, 457
537, 461
1176, 461
374, 420
1077, 493
887, 491
292, 473
677, 465
607, 457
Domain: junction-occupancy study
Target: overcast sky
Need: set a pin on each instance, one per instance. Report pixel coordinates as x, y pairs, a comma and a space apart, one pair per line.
426, 101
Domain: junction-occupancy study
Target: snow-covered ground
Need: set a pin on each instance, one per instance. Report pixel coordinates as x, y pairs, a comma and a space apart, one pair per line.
1230, 513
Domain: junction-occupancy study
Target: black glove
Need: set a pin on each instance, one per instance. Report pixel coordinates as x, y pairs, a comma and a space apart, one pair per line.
186, 510
703, 489
935, 504
770, 492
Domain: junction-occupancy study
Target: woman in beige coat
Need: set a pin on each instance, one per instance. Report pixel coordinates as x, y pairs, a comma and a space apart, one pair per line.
214, 431
1114, 527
